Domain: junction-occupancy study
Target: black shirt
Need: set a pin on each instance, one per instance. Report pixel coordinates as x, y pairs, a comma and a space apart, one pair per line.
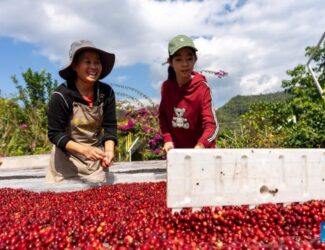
60, 110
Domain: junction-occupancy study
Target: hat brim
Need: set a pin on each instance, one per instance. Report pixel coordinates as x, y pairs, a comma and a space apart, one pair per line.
182, 46
107, 60
191, 47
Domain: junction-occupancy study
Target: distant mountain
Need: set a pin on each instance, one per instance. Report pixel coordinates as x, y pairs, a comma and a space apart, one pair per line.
228, 115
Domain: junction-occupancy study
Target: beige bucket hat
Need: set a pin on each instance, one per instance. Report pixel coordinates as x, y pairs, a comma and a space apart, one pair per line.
107, 59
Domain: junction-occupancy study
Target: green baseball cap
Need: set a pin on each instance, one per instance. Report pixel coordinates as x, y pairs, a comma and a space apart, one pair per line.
178, 42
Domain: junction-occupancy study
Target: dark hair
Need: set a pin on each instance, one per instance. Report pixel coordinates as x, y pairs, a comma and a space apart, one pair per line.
171, 71
73, 75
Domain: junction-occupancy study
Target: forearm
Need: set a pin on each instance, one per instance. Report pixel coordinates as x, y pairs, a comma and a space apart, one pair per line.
60, 139
58, 114
209, 122
109, 146
75, 148
109, 153
163, 127
109, 123
89, 152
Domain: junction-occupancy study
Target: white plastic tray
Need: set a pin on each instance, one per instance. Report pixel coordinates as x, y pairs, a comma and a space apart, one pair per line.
219, 177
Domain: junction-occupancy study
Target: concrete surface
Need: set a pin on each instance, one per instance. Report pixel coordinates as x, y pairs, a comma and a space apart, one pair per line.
28, 172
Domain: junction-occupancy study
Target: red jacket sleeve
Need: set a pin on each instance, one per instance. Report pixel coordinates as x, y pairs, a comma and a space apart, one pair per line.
209, 120
163, 121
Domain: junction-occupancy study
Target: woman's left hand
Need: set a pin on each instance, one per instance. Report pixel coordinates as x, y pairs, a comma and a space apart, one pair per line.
107, 161
199, 145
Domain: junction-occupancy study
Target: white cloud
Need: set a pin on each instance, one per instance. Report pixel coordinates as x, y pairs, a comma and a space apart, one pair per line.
256, 43
121, 79
256, 84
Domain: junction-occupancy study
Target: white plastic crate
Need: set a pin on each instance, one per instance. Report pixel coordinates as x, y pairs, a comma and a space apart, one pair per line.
219, 177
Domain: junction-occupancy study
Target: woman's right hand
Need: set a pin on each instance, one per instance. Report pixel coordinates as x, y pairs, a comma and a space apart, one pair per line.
93, 153
168, 146
89, 152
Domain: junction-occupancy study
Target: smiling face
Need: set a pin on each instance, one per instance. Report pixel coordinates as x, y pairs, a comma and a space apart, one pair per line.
88, 67
183, 62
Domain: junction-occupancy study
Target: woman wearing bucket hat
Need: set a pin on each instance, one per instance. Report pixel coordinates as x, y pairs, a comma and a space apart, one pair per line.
82, 116
186, 115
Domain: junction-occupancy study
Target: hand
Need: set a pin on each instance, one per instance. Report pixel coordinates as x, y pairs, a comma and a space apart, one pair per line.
93, 153
107, 161
168, 146
199, 145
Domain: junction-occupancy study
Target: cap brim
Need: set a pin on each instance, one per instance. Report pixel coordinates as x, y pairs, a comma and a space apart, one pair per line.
182, 46
107, 60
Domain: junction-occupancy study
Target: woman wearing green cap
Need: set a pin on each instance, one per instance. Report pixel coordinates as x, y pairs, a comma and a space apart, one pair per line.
82, 117
186, 114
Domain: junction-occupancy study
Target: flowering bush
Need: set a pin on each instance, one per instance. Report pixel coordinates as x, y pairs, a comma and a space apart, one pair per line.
23, 130
142, 123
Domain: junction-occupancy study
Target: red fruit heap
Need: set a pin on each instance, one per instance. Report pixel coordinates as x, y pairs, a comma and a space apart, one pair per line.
135, 216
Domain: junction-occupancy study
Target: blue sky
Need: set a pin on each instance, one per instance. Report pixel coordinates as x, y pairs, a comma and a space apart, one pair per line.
256, 42
19, 56
16, 58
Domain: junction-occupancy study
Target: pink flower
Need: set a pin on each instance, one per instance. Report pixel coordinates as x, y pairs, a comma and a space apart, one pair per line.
218, 73
131, 124
158, 137
152, 143
221, 73
23, 126
157, 151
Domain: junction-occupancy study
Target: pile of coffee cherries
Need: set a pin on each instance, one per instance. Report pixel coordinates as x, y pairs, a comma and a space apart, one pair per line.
135, 216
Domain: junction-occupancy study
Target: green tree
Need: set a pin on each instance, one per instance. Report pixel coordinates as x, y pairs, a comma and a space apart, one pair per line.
306, 104
23, 119
38, 89
299, 122
264, 124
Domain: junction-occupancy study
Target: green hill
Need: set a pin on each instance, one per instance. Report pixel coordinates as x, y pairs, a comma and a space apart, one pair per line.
228, 115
